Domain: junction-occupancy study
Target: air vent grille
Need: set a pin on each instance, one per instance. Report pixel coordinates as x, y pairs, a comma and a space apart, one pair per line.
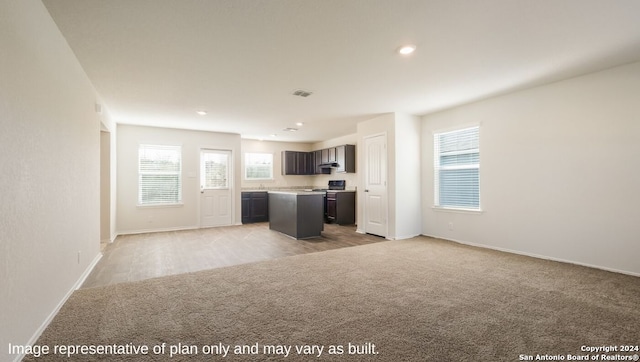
302, 93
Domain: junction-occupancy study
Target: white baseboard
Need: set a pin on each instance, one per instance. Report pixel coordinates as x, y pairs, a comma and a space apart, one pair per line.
86, 273
159, 230
55, 311
405, 237
538, 256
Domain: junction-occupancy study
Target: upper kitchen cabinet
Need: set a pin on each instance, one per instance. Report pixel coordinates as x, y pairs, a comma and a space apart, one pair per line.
346, 158
341, 158
317, 162
297, 163
333, 155
324, 155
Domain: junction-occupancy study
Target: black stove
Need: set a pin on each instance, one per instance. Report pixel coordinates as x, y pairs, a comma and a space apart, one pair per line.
337, 184
334, 185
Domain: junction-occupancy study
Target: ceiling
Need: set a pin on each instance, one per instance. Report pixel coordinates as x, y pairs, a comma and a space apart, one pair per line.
157, 62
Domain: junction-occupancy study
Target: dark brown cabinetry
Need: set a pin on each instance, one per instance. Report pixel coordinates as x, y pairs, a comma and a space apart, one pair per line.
341, 158
325, 155
346, 158
297, 163
332, 155
317, 162
297, 214
255, 207
341, 207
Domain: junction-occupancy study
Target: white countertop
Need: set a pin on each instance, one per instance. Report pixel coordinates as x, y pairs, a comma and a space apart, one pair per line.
297, 192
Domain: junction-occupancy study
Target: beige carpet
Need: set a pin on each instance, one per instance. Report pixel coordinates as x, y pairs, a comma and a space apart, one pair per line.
412, 300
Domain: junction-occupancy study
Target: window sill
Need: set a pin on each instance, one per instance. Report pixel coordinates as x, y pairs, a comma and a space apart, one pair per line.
457, 210
158, 206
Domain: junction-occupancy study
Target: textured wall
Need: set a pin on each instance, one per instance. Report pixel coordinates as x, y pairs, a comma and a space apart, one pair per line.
558, 171
49, 157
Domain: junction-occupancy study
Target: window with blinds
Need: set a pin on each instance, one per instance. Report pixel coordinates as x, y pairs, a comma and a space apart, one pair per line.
214, 169
457, 169
159, 175
258, 166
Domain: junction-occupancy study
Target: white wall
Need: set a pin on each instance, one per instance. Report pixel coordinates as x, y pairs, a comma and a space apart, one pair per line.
559, 171
110, 127
105, 186
408, 206
403, 172
134, 219
50, 162
380, 125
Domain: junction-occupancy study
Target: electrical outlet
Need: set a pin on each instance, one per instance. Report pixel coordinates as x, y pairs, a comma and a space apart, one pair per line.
450, 225
78, 256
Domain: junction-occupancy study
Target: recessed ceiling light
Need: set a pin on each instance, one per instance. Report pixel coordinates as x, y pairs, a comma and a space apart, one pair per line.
202, 113
406, 49
273, 135
299, 124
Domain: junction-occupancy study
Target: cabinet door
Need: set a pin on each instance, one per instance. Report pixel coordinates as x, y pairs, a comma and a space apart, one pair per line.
332, 203
332, 155
246, 207
317, 160
345, 208
325, 155
289, 162
311, 166
346, 155
304, 163
340, 158
259, 207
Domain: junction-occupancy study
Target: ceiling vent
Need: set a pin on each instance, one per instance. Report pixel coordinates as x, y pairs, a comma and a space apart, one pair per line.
302, 93
290, 129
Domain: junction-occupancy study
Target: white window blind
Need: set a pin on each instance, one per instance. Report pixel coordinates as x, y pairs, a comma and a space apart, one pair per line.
159, 172
215, 170
457, 169
258, 166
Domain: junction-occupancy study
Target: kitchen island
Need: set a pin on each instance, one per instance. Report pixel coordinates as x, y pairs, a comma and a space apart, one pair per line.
298, 214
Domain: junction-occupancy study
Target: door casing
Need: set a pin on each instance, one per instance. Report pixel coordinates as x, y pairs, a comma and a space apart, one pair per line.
375, 180
217, 204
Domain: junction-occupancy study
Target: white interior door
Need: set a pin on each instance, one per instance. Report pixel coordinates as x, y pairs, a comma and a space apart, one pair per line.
375, 193
216, 200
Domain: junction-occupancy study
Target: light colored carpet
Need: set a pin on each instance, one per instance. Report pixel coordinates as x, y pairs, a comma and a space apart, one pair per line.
416, 300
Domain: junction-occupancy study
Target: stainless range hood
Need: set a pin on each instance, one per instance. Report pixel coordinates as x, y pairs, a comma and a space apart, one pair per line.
329, 165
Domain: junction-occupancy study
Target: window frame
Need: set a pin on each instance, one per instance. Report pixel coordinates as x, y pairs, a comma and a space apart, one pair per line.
143, 172
437, 168
227, 169
247, 165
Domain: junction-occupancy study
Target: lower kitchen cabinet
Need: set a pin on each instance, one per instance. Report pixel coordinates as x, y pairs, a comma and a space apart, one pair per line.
255, 207
341, 207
